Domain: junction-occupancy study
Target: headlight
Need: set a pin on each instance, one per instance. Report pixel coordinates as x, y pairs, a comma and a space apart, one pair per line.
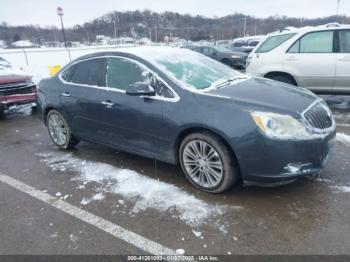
235, 57
279, 126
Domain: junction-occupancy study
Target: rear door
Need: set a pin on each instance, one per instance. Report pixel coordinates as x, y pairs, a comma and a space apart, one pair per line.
80, 96
312, 60
342, 79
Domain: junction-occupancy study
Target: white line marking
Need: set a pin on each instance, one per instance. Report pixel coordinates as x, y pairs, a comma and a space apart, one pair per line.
119, 232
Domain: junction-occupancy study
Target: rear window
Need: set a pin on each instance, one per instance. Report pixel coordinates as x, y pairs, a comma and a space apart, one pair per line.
273, 42
88, 72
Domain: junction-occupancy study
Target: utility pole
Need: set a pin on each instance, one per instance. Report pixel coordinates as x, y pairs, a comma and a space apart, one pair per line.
60, 14
115, 30
156, 32
337, 13
244, 26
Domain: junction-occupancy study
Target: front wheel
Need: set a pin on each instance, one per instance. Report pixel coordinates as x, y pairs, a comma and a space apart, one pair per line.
208, 163
59, 131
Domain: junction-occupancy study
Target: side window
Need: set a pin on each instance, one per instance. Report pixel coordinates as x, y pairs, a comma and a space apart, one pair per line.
88, 72
122, 72
68, 73
295, 48
344, 41
207, 50
317, 42
160, 87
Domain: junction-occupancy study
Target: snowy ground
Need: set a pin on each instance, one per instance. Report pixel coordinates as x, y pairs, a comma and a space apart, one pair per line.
156, 202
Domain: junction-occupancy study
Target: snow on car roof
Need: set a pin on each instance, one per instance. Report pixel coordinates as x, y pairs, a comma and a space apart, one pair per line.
305, 29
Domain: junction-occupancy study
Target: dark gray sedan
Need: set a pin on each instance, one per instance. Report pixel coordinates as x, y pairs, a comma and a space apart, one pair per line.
181, 107
236, 60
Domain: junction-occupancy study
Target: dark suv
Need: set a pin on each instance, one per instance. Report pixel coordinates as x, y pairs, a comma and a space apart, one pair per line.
237, 60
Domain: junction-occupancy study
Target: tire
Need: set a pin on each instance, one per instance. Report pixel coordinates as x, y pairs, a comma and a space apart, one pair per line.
284, 79
226, 62
55, 124
189, 163
2, 114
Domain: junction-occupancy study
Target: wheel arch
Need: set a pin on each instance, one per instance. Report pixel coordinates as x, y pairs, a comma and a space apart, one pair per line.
282, 73
197, 129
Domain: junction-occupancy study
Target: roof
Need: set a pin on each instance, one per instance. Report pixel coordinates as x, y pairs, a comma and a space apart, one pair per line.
330, 26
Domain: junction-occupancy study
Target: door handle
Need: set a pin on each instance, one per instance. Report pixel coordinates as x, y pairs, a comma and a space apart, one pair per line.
291, 58
107, 103
345, 58
66, 94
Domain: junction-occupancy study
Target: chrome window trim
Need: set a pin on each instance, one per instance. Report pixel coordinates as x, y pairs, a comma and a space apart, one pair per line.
174, 99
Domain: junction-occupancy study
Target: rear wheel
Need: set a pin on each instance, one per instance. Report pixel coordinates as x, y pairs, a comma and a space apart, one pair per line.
2, 114
59, 131
208, 163
227, 62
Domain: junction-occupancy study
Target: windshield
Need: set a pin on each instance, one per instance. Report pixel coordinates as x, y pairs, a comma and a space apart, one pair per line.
4, 64
190, 68
221, 49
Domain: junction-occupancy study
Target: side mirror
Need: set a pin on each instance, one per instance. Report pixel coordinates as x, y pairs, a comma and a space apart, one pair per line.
140, 89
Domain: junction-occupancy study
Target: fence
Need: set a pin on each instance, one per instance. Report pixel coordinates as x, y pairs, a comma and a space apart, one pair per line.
37, 60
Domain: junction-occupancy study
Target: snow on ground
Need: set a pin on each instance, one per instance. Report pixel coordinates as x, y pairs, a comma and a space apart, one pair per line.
343, 138
139, 191
343, 189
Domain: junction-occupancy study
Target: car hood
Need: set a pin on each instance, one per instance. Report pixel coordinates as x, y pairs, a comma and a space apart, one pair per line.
13, 76
263, 94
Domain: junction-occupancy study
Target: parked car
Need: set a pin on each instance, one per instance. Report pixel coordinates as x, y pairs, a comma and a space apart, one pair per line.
224, 43
237, 60
181, 107
17, 89
245, 44
317, 58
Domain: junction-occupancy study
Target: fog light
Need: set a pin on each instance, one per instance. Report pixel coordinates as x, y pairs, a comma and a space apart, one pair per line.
296, 167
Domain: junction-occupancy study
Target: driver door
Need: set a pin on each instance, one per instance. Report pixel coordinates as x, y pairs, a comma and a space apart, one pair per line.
134, 123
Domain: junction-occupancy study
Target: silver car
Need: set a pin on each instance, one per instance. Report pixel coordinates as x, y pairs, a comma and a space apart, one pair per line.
316, 58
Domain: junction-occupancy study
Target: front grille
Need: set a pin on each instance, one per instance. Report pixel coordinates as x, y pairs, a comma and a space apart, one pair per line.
17, 90
319, 116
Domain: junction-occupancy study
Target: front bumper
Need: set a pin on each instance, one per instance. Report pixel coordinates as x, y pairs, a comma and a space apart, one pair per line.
238, 63
274, 161
11, 101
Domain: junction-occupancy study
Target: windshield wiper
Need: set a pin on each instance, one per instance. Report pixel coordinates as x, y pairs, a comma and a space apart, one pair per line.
228, 81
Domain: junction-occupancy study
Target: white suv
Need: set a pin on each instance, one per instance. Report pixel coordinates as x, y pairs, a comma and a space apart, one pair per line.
317, 58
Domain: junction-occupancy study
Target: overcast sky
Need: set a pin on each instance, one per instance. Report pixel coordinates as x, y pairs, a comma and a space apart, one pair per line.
43, 12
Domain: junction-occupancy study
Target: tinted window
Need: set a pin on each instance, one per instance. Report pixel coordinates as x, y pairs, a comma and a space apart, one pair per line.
207, 50
160, 87
253, 43
122, 72
317, 42
238, 44
273, 42
87, 72
68, 74
295, 48
344, 41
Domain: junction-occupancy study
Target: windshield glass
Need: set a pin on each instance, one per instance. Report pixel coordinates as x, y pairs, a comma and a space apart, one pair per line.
190, 68
273, 42
221, 49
